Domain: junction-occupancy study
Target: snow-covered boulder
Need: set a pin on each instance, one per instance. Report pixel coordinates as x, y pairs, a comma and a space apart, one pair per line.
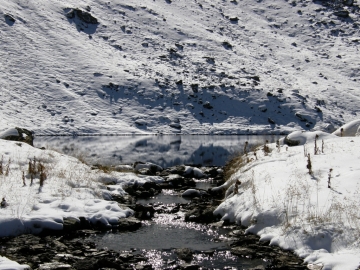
350, 129
18, 134
196, 172
192, 193
303, 137
147, 165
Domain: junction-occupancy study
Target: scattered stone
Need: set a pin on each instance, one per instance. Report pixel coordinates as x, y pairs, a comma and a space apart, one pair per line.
84, 16
227, 45
301, 117
195, 87
147, 165
207, 105
175, 125
271, 121
342, 13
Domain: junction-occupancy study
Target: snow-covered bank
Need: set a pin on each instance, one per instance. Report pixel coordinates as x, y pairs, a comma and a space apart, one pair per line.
300, 200
70, 189
6, 264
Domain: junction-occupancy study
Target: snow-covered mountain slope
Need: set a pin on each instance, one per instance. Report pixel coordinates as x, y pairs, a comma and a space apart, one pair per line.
171, 66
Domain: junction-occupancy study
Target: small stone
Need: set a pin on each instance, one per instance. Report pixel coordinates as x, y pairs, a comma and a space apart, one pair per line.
342, 13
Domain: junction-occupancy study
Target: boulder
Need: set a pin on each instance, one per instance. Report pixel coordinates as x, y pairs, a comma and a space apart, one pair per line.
129, 224
9, 19
18, 135
191, 193
83, 16
184, 254
350, 129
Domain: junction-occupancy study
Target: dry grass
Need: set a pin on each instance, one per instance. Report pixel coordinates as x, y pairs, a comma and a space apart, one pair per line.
235, 163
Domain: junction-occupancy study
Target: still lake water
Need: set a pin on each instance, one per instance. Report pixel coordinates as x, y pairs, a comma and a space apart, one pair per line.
164, 150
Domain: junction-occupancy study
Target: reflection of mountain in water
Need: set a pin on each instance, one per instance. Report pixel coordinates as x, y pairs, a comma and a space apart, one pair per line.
209, 155
163, 150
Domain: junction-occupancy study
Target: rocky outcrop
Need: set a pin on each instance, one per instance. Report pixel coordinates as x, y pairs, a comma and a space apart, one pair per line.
19, 135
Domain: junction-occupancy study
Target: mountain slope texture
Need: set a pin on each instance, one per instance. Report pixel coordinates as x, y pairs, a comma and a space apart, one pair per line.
176, 66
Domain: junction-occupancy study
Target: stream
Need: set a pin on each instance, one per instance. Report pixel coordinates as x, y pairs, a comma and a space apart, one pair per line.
160, 238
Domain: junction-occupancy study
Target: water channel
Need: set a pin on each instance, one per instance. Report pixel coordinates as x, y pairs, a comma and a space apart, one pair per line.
160, 237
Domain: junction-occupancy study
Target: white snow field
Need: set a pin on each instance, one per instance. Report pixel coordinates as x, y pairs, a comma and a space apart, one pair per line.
204, 66
284, 202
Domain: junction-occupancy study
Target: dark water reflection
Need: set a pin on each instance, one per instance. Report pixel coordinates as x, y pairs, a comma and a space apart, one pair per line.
165, 150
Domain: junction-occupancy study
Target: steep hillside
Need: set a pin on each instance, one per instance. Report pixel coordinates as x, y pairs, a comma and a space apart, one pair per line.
178, 66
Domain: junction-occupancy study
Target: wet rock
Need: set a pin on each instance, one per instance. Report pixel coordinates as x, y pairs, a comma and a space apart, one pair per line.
200, 211
19, 135
55, 266
144, 211
147, 165
243, 252
145, 171
185, 254
191, 193
129, 224
71, 223
187, 266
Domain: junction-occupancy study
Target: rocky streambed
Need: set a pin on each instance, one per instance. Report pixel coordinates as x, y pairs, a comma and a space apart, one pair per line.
166, 232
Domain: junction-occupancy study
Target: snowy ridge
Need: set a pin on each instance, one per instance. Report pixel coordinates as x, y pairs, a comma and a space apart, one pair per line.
177, 66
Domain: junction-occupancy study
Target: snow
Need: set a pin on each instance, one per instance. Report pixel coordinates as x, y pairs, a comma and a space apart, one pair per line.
349, 129
72, 189
6, 264
180, 67
9, 132
279, 200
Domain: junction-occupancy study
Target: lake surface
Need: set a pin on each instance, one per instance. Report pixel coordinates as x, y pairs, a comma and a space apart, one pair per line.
164, 150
